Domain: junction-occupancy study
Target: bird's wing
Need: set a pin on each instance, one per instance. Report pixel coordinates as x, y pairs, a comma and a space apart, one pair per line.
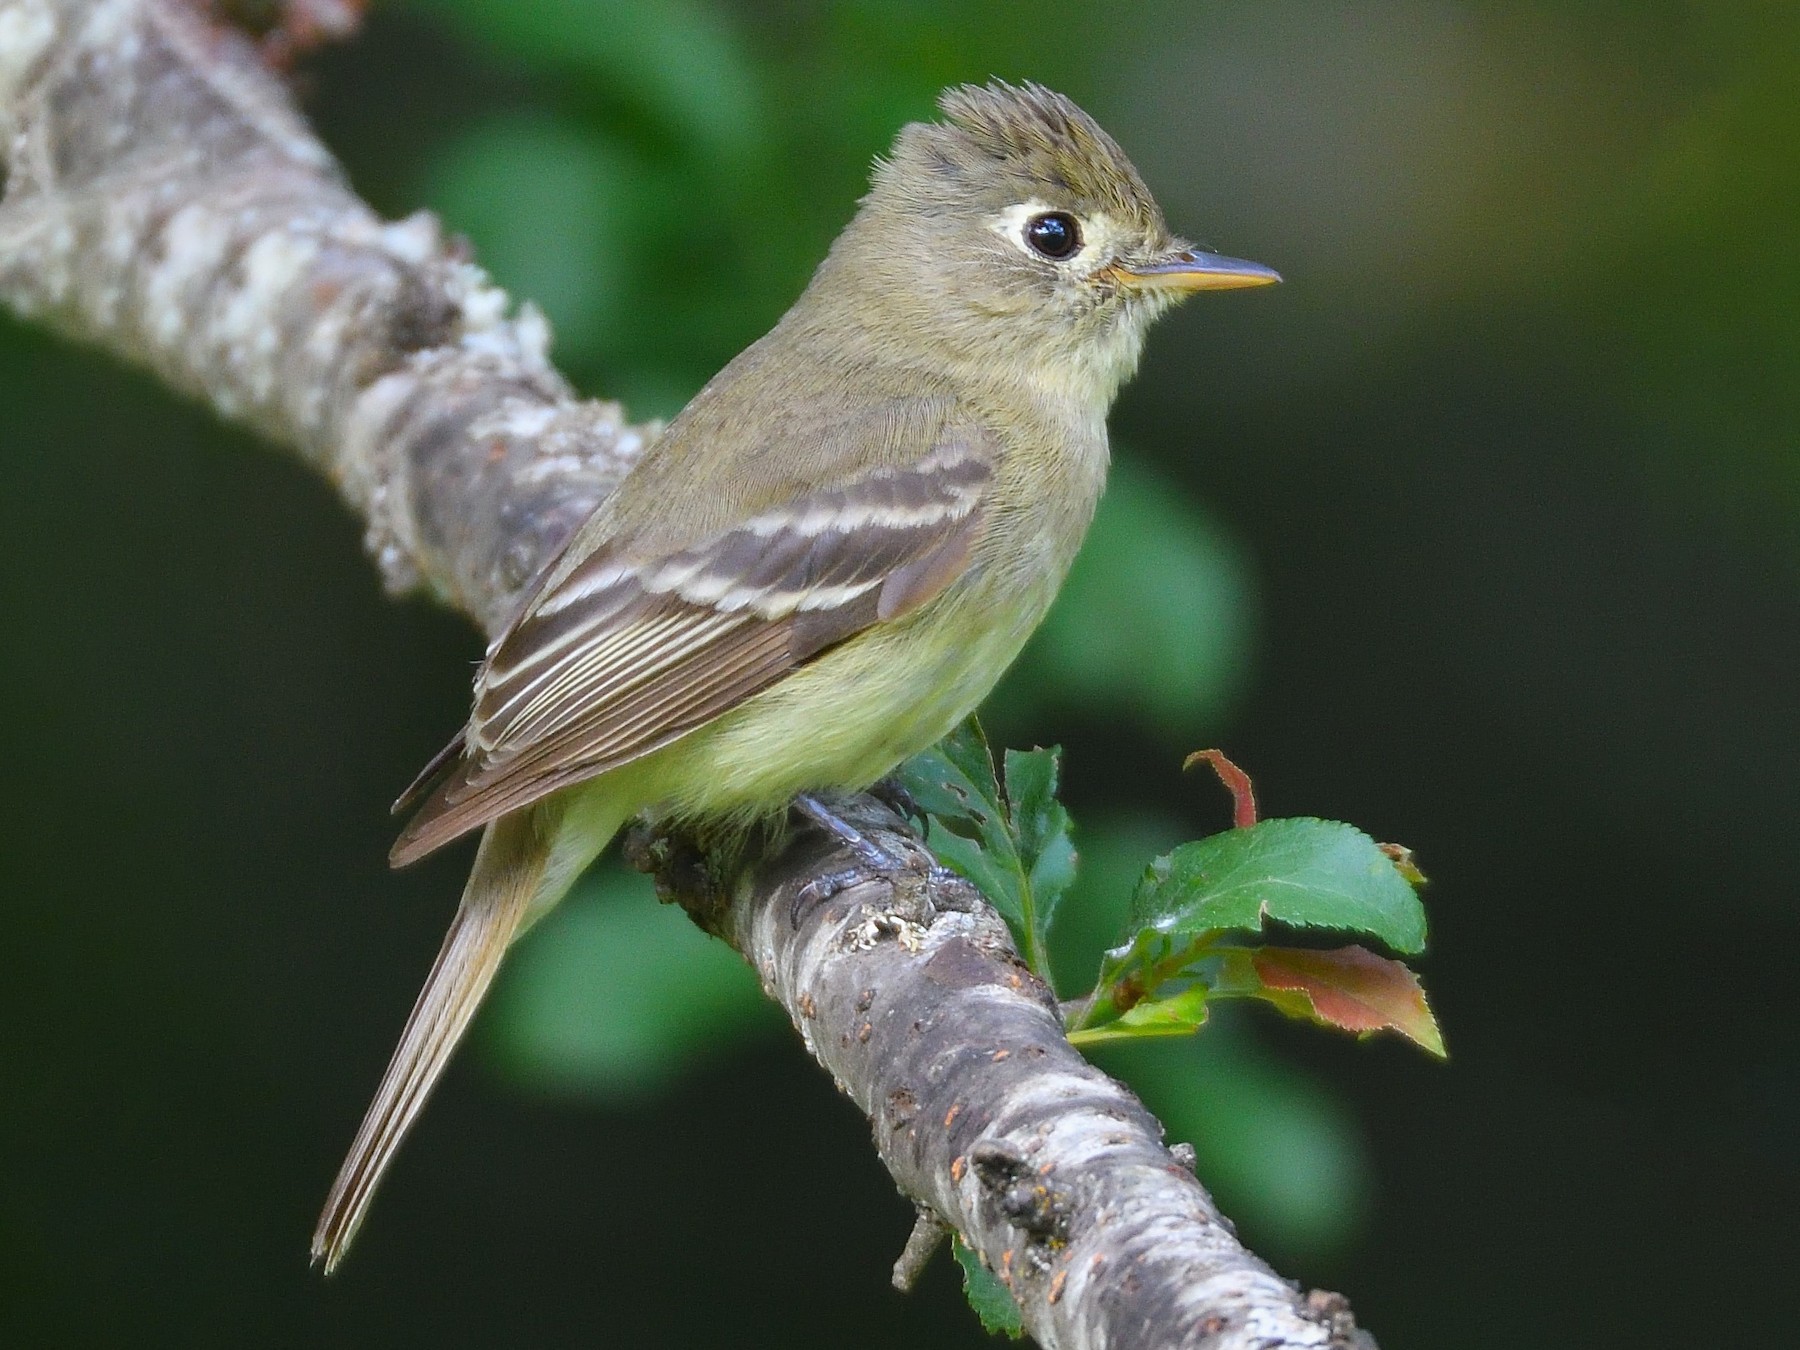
623, 653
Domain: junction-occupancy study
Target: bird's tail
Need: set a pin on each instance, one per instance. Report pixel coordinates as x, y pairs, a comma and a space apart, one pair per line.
509, 874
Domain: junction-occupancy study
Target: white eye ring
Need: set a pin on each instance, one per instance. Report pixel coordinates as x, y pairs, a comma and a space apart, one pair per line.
1017, 224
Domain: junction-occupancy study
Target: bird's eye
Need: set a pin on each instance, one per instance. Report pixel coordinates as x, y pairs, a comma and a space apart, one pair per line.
1054, 235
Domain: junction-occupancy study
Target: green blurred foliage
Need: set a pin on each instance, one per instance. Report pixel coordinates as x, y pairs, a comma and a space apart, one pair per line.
1155, 623
1703, 228
616, 996
677, 64
548, 208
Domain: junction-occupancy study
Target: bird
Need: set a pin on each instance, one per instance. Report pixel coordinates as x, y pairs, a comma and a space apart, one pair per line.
829, 556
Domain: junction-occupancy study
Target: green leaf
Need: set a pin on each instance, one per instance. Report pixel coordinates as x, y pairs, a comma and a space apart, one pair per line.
955, 785
1093, 912
1350, 988
1013, 843
1310, 873
1042, 826
1138, 955
992, 1301
1181, 1012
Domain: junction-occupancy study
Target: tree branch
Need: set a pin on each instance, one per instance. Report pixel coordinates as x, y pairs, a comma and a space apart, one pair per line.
166, 202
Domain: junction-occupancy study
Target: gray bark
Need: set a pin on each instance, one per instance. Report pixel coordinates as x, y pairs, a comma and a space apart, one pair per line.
165, 201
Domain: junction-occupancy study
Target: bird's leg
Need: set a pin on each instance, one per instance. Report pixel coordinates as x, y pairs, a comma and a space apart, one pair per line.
867, 851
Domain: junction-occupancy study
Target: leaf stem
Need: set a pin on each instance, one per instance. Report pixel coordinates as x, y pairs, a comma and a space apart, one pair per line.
1111, 1033
1036, 955
1147, 980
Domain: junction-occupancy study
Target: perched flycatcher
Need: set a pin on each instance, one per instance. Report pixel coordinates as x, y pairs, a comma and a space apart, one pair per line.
828, 558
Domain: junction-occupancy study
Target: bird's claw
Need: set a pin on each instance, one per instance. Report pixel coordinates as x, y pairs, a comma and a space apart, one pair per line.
943, 888
820, 889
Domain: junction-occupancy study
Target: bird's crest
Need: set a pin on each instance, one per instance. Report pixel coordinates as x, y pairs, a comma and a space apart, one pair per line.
1022, 137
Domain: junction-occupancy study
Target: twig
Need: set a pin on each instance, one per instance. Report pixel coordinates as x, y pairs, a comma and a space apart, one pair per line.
928, 1234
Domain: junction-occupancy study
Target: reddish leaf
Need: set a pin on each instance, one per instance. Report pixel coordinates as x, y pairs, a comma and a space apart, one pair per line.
1352, 988
1236, 781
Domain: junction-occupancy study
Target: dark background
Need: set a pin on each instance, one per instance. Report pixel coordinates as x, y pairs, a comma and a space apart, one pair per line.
1478, 533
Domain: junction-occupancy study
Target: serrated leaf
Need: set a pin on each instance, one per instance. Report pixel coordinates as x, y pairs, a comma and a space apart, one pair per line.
954, 783
1350, 988
1012, 841
968, 749
992, 1301
1310, 873
1042, 827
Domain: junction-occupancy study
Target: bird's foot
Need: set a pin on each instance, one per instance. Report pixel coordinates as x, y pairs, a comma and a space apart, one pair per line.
867, 851
920, 882
871, 858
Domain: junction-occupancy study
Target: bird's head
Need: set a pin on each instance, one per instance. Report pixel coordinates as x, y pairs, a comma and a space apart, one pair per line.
1016, 231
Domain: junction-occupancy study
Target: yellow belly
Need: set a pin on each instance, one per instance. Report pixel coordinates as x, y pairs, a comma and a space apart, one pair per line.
843, 720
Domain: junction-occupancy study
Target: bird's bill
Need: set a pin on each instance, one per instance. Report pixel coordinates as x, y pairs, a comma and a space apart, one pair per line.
1195, 269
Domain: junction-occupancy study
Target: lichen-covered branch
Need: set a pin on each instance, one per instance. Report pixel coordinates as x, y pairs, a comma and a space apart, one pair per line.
165, 202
